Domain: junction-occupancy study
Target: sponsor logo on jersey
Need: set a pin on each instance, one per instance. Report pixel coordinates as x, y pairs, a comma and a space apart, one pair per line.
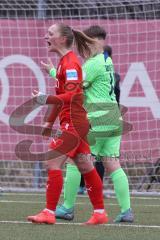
71, 74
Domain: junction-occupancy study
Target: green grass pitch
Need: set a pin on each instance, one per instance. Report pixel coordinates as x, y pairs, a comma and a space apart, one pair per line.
14, 208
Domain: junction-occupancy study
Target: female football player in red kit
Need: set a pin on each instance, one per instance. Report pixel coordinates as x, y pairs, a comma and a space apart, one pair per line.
68, 105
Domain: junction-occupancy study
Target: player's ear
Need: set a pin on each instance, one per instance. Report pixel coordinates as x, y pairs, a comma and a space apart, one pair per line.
63, 39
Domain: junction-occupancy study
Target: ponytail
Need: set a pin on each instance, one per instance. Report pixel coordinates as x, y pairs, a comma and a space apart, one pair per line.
82, 42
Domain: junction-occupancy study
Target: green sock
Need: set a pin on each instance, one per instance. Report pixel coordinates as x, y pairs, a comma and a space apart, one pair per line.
121, 188
71, 185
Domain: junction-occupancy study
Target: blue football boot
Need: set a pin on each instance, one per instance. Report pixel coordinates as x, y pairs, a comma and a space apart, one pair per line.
126, 216
64, 213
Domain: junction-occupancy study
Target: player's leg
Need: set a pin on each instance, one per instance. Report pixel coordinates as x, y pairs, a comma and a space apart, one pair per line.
119, 178
53, 191
99, 167
82, 187
98, 162
94, 188
72, 180
100, 170
121, 188
71, 184
55, 177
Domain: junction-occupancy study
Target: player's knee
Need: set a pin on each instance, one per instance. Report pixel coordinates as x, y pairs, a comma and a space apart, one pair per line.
112, 165
85, 167
53, 165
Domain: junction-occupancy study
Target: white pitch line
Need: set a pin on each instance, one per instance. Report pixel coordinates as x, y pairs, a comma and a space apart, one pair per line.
81, 224
80, 196
145, 198
23, 194
78, 203
27, 202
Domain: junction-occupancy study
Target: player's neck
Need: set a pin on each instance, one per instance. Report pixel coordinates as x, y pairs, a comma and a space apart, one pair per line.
63, 51
96, 49
99, 48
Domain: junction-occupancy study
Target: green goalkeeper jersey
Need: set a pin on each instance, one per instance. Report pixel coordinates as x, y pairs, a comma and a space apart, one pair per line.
100, 101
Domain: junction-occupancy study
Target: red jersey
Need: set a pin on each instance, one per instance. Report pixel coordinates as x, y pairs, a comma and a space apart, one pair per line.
69, 89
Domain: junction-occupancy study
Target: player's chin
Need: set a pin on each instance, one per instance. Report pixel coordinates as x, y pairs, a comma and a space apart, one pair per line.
50, 49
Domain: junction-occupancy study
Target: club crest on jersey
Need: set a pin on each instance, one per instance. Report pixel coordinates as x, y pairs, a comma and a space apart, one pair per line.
71, 74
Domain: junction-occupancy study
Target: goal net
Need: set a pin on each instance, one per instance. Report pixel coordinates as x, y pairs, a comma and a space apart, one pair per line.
134, 34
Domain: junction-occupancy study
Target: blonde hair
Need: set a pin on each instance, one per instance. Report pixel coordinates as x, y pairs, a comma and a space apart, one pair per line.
81, 40
83, 43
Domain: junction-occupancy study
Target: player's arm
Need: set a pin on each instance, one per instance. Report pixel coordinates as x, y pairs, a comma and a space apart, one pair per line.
90, 72
73, 77
49, 68
47, 129
47, 126
58, 102
50, 119
43, 99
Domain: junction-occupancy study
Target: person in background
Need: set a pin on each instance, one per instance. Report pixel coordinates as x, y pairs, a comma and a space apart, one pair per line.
101, 35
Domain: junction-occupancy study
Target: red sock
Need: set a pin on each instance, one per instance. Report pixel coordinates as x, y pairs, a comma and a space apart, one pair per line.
94, 188
53, 188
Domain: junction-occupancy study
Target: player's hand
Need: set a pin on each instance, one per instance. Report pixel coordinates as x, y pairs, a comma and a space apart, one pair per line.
47, 130
35, 93
47, 66
40, 97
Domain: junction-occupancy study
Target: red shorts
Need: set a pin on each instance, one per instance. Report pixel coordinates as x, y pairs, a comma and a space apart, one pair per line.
70, 143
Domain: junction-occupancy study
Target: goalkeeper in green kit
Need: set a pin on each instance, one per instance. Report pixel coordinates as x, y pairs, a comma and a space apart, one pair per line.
106, 129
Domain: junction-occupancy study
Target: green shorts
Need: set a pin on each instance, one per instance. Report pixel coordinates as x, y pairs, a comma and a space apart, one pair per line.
106, 147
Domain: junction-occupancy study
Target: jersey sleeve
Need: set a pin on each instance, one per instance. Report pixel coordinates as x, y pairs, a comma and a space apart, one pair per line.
90, 70
53, 113
73, 78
